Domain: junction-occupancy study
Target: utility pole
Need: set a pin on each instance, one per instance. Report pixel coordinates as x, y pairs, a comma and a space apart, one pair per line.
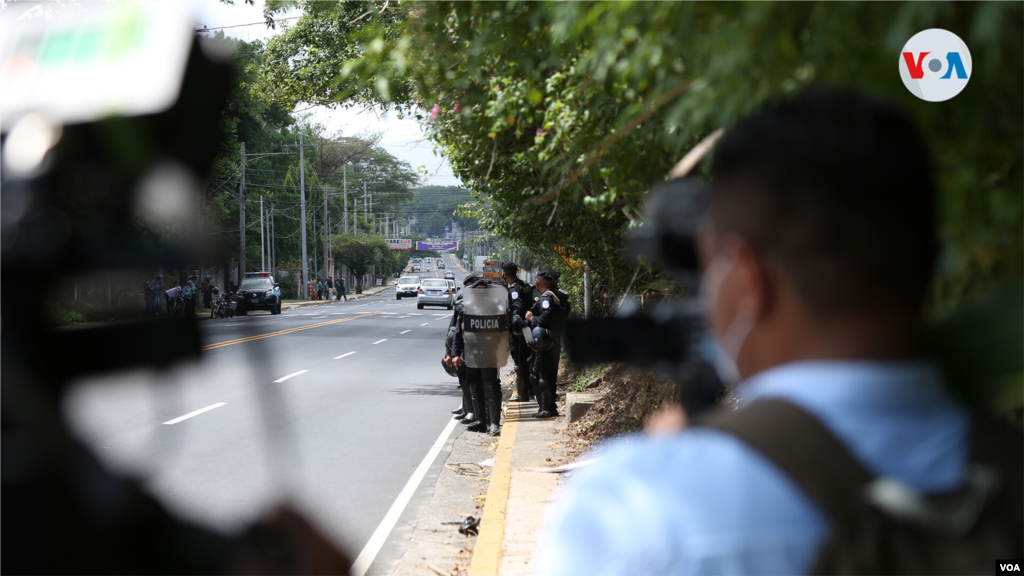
302, 212
241, 217
314, 238
344, 191
327, 234
263, 257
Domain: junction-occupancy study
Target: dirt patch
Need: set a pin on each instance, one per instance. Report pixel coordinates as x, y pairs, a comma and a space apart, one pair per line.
630, 396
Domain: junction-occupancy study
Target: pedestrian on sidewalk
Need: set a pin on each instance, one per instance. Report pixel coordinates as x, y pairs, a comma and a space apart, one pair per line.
817, 252
549, 313
330, 289
319, 288
341, 290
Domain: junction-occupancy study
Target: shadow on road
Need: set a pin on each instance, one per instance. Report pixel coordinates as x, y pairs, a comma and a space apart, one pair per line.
430, 390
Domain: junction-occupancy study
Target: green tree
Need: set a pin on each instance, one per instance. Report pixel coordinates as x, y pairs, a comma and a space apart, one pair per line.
561, 115
362, 253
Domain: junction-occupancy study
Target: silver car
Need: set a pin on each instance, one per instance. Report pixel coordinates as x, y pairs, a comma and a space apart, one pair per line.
436, 292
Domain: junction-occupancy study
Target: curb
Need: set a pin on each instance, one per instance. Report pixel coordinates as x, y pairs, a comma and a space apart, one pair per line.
308, 303
487, 552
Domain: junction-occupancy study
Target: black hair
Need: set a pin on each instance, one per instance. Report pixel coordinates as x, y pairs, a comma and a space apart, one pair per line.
510, 267
837, 186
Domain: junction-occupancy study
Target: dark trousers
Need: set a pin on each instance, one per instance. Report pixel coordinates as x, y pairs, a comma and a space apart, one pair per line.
467, 394
486, 391
544, 377
521, 357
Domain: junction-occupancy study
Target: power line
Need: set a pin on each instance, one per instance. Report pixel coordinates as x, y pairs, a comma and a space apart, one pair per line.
207, 29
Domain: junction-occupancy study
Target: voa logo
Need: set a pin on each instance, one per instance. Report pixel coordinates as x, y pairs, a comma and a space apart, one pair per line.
1006, 566
935, 65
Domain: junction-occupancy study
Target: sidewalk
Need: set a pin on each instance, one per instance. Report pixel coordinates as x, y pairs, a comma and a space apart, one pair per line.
518, 494
367, 292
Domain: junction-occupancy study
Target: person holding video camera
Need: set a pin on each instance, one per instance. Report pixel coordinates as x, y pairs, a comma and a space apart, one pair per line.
817, 252
548, 314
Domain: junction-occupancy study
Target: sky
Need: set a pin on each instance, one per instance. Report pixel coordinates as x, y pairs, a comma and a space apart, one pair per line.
401, 137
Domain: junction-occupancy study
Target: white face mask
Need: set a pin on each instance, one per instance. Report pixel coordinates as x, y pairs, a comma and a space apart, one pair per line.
724, 351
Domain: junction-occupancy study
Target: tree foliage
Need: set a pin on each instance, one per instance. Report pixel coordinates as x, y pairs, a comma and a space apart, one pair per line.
560, 116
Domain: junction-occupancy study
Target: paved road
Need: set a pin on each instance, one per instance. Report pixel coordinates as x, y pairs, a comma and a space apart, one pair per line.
332, 407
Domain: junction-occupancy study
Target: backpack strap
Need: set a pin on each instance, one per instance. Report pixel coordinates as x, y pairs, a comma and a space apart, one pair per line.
802, 448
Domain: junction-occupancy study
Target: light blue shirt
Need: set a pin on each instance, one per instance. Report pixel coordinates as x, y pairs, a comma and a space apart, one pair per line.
703, 502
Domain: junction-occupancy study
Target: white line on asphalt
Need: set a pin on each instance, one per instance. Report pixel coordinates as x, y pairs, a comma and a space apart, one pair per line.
318, 317
343, 355
379, 341
389, 313
425, 323
313, 314
406, 332
196, 413
292, 375
415, 314
380, 535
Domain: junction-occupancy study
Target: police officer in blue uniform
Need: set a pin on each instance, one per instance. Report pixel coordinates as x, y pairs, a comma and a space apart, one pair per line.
549, 312
519, 302
484, 385
466, 413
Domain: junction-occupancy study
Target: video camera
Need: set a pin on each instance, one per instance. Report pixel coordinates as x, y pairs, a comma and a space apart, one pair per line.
671, 336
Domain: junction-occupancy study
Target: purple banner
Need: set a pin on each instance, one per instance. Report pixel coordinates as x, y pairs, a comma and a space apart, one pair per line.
438, 246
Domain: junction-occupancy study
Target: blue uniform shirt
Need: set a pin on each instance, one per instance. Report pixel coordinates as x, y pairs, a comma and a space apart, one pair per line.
703, 502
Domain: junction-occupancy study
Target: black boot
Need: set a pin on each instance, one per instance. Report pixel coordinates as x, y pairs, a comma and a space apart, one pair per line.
459, 412
469, 418
523, 386
494, 416
540, 405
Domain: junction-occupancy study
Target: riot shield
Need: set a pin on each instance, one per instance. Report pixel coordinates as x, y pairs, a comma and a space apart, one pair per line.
485, 326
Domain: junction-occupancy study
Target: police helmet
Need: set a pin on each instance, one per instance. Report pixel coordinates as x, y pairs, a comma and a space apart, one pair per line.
450, 369
542, 340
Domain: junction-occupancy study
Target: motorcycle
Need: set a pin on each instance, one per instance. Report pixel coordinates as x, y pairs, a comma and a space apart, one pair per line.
220, 306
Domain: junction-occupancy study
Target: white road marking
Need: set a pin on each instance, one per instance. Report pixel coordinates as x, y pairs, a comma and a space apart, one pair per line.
343, 355
425, 323
415, 314
319, 317
313, 314
292, 375
196, 413
389, 313
406, 332
379, 341
380, 535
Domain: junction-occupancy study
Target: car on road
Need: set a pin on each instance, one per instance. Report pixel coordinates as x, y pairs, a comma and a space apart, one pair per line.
455, 288
258, 292
415, 267
440, 265
449, 276
436, 292
408, 286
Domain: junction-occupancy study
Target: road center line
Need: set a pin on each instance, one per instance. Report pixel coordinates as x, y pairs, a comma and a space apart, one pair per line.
292, 375
196, 413
380, 535
406, 332
285, 331
379, 341
343, 355
425, 323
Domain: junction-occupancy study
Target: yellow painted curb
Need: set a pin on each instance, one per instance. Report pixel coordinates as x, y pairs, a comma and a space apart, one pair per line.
487, 552
283, 332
